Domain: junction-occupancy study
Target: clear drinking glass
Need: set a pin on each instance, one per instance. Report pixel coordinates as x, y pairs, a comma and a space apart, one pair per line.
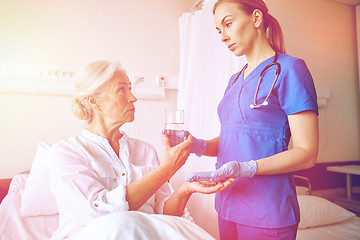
174, 126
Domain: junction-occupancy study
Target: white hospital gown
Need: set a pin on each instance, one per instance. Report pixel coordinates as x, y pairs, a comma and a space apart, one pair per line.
89, 180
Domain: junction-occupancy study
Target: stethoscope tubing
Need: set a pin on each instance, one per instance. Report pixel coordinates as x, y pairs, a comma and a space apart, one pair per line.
278, 71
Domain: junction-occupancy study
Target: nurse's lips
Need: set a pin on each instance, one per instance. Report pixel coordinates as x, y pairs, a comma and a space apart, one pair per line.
231, 46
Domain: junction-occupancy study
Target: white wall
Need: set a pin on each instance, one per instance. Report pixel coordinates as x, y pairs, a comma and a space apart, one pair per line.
73, 33
142, 34
323, 33
358, 49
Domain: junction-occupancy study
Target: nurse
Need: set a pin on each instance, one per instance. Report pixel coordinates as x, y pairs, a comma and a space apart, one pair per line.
254, 137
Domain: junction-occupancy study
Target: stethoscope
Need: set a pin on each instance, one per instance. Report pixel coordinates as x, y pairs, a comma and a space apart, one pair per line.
278, 70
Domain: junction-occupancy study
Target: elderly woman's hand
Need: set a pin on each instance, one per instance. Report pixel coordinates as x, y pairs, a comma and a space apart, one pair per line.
206, 187
175, 157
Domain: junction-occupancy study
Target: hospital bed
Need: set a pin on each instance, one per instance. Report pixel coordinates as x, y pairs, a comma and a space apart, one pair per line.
320, 218
28, 211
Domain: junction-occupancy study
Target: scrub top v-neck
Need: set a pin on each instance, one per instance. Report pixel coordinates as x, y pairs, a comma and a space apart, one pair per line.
250, 134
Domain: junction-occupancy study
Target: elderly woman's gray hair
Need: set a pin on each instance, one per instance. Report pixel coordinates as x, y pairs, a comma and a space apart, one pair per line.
91, 80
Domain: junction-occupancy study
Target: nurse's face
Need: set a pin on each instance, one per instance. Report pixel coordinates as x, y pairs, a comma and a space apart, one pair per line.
117, 104
235, 27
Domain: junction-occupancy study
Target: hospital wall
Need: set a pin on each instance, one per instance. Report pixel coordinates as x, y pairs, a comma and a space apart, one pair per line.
323, 33
143, 35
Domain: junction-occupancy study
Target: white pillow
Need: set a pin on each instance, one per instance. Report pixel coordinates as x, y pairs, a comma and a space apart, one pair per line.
317, 211
37, 199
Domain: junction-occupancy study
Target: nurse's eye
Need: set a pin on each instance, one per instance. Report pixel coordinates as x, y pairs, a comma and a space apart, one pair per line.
228, 24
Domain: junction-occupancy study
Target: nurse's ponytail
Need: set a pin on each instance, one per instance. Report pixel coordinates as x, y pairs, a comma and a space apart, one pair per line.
274, 33
272, 27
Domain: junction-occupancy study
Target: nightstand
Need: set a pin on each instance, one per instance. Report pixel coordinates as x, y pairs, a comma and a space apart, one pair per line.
351, 201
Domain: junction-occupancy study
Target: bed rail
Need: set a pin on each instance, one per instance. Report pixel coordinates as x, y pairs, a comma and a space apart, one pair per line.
303, 182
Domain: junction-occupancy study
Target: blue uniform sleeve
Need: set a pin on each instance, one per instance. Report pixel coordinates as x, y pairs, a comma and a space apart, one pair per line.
297, 91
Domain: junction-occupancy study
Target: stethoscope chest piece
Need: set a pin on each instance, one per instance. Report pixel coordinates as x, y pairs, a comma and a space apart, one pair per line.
265, 103
278, 70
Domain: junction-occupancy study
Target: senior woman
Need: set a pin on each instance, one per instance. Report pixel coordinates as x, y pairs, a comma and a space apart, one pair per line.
102, 171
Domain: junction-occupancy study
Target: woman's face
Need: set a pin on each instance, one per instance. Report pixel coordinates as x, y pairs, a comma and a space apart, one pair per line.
117, 103
235, 27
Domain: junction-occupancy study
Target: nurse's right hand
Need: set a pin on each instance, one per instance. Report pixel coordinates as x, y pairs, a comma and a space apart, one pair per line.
228, 170
198, 146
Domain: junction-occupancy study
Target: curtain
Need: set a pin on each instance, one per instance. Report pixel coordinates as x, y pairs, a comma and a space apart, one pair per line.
206, 65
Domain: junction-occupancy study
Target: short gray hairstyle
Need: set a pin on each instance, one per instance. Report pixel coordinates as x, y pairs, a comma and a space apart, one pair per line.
91, 80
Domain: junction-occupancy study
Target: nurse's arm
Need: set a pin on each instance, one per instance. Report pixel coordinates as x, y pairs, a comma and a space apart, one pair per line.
212, 147
304, 129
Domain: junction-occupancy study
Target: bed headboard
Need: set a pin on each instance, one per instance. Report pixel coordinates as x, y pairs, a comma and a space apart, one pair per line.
4, 187
322, 179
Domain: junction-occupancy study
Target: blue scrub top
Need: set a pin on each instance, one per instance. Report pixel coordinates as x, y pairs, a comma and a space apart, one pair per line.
250, 134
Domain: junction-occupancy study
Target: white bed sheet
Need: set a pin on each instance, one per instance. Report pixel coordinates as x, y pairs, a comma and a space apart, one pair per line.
137, 225
122, 225
346, 230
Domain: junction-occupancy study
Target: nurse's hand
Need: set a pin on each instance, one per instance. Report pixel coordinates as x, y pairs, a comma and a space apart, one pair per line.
198, 146
206, 187
228, 170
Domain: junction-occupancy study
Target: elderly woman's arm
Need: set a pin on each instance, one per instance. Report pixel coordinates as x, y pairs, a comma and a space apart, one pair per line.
175, 205
138, 192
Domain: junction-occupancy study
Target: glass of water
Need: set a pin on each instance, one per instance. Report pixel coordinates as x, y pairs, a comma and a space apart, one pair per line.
174, 126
